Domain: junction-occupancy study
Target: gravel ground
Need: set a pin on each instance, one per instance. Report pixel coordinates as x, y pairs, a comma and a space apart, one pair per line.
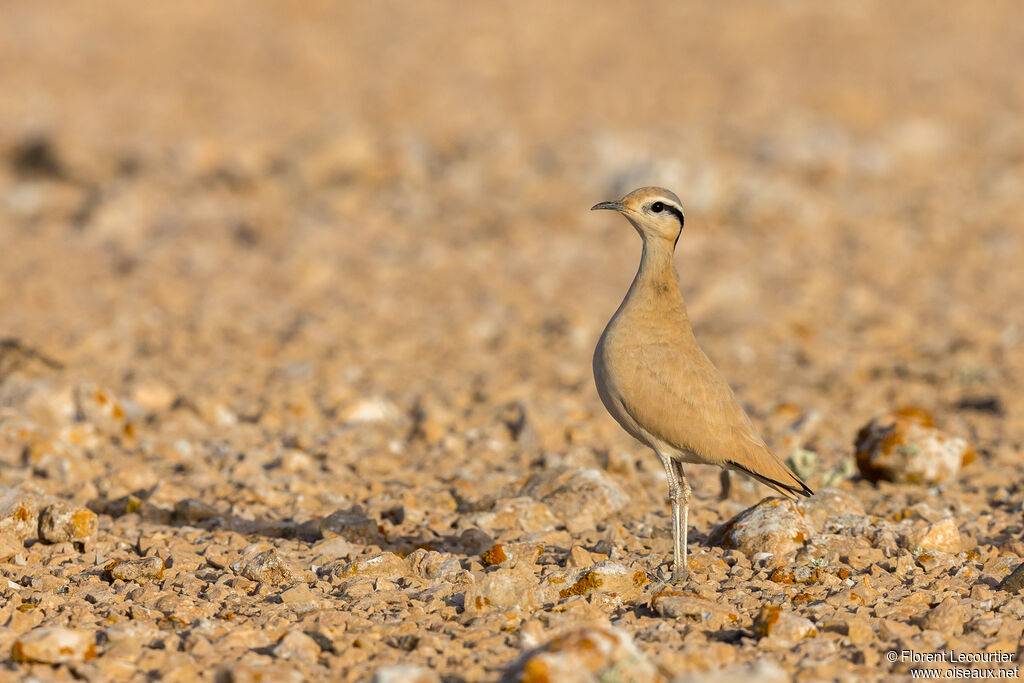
298, 308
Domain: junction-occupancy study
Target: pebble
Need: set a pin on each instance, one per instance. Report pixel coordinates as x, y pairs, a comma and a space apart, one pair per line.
139, 570
266, 567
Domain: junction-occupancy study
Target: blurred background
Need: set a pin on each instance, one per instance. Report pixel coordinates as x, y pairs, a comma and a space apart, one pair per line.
352, 240
382, 207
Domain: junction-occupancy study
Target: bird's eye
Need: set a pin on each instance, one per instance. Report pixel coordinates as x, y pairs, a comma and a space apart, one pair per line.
657, 207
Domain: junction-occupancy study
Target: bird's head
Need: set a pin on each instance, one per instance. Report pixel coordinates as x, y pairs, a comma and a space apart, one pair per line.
655, 212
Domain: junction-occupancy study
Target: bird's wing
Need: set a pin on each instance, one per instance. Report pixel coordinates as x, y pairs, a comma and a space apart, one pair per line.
677, 394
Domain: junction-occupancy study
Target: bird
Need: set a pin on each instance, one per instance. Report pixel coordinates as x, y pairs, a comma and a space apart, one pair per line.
660, 386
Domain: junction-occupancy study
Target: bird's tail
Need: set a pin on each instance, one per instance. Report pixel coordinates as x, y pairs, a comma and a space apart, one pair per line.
766, 467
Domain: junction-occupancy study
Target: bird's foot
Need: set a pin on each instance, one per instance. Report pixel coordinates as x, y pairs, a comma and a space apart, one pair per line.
680, 576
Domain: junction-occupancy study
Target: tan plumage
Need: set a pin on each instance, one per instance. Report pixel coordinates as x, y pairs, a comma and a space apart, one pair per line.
657, 382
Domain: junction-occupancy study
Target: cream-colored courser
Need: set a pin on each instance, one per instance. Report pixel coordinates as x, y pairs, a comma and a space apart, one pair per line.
656, 381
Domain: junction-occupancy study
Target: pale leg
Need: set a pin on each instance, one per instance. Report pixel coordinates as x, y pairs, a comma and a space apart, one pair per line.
684, 487
675, 495
726, 483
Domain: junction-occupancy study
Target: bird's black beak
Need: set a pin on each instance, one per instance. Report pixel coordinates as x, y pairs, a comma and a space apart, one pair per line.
614, 206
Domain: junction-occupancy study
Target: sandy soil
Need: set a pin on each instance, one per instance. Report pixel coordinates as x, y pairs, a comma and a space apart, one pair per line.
301, 302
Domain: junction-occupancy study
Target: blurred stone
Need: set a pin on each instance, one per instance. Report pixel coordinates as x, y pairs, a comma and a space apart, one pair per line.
775, 525
192, 510
139, 570
606, 577
523, 514
54, 645
1014, 582
784, 629
59, 523
826, 503
947, 618
353, 525
384, 565
19, 514
675, 604
405, 673
266, 567
296, 645
905, 447
580, 497
504, 588
589, 655
943, 536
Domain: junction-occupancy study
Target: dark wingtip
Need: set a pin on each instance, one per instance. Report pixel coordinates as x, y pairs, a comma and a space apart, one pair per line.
802, 489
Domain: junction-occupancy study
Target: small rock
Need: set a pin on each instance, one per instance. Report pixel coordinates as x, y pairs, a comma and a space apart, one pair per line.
775, 525
578, 558
371, 410
1014, 582
296, 645
353, 525
140, 570
299, 594
503, 588
827, 503
905, 447
431, 564
522, 514
382, 566
942, 536
578, 496
858, 630
606, 577
673, 604
783, 628
266, 567
19, 514
588, 655
54, 645
59, 523
947, 618
405, 673
761, 671
192, 510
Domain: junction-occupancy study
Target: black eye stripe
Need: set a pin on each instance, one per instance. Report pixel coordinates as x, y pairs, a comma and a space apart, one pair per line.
675, 212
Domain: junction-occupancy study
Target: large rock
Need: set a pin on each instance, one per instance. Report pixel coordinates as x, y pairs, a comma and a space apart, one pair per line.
781, 628
54, 645
577, 496
503, 588
589, 655
139, 570
942, 536
19, 514
605, 577
59, 523
684, 606
775, 525
905, 447
267, 567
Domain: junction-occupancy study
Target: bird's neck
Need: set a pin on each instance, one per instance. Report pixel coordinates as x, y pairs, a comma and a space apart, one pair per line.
657, 272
